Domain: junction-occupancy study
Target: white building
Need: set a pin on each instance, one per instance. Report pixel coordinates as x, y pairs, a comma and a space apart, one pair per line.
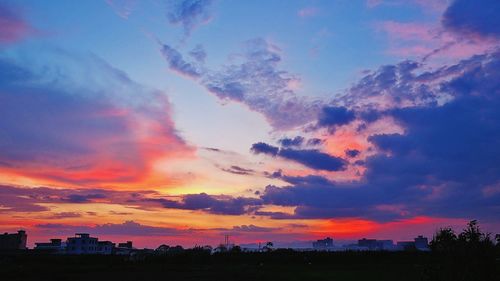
82, 243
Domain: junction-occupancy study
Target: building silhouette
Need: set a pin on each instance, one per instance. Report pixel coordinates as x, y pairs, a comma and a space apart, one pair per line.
82, 243
13, 241
323, 244
55, 245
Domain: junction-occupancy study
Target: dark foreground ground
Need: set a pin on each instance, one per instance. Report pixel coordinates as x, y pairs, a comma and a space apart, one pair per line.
278, 265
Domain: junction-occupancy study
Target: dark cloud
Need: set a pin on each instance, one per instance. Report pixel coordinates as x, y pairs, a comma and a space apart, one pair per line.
473, 18
352, 153
314, 141
311, 158
79, 198
246, 229
215, 204
189, 13
177, 63
264, 148
287, 142
314, 159
446, 163
21, 199
238, 170
332, 116
63, 215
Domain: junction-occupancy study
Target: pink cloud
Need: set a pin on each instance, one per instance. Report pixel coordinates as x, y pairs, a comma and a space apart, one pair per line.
13, 27
308, 12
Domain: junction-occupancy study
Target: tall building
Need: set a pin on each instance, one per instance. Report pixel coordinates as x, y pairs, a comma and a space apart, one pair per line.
82, 243
13, 241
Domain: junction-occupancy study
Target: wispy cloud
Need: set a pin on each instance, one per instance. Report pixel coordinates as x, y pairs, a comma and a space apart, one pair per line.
189, 13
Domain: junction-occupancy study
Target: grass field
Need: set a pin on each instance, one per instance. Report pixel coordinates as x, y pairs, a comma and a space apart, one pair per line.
284, 265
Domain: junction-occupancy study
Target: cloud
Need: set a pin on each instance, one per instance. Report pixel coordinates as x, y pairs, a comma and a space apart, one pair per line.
62, 215
314, 159
127, 228
245, 229
75, 119
258, 83
252, 78
177, 63
78, 198
352, 153
13, 27
311, 158
198, 53
238, 170
189, 13
264, 148
332, 116
287, 142
22, 199
215, 204
314, 141
473, 18
443, 164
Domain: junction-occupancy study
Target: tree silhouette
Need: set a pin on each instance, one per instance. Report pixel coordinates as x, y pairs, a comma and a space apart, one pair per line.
445, 240
269, 246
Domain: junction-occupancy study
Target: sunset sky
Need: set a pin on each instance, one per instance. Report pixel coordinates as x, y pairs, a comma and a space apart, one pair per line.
178, 122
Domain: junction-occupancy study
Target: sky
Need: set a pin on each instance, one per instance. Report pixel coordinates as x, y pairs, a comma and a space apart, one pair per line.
181, 121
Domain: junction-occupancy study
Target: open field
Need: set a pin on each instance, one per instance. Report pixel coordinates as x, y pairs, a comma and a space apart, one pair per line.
279, 265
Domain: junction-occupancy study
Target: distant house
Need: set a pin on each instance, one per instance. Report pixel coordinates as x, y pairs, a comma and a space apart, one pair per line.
82, 243
162, 249
422, 243
124, 248
105, 247
13, 241
375, 245
54, 246
323, 244
127, 245
406, 245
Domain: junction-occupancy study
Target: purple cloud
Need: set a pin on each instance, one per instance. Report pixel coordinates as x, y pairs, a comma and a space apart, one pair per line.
13, 27
73, 128
264, 148
473, 18
258, 83
287, 142
177, 63
215, 204
445, 164
189, 13
127, 228
332, 116
311, 158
